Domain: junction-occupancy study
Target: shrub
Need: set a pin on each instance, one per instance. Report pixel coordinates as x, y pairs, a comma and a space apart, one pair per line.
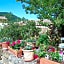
10, 31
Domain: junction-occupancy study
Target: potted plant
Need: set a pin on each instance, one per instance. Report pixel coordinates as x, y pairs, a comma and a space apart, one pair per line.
28, 53
15, 48
31, 41
5, 43
51, 56
22, 43
54, 58
50, 53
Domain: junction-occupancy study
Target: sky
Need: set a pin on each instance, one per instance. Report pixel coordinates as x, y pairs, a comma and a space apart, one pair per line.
15, 8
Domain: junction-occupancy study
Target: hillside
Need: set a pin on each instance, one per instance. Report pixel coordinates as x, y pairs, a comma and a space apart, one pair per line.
10, 17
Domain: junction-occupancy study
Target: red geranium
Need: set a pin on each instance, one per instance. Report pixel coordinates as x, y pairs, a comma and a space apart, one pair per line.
18, 41
52, 49
33, 47
7, 42
13, 42
35, 56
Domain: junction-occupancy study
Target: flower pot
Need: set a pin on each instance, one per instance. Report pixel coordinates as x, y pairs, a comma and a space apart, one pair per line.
4, 45
17, 53
28, 55
0, 44
46, 61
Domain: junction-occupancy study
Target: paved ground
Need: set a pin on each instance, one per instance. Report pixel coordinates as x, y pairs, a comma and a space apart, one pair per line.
1, 62
0, 56
9, 58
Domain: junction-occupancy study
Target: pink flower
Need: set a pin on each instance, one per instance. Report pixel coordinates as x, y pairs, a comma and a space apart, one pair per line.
60, 52
52, 49
13, 42
7, 42
18, 41
35, 56
49, 50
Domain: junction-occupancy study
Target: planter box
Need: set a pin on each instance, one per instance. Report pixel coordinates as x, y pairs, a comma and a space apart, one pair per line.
28, 55
17, 53
46, 61
4, 45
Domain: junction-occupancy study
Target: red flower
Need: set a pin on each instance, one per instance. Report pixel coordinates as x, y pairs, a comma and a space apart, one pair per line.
7, 42
52, 49
13, 42
33, 47
18, 41
35, 56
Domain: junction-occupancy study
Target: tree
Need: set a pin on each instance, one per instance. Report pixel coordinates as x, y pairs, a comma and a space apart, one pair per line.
24, 19
10, 17
44, 8
31, 26
10, 31
28, 30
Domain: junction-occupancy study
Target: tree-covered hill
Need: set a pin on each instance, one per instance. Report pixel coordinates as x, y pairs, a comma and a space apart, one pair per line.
10, 17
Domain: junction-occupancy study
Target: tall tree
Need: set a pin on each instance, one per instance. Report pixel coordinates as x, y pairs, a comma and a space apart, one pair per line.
44, 8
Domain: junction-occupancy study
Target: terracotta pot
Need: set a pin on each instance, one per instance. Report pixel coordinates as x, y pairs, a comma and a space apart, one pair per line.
0, 44
38, 61
46, 61
17, 53
4, 45
28, 55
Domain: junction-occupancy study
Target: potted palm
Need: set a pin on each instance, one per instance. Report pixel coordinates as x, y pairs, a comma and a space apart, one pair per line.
28, 53
16, 48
